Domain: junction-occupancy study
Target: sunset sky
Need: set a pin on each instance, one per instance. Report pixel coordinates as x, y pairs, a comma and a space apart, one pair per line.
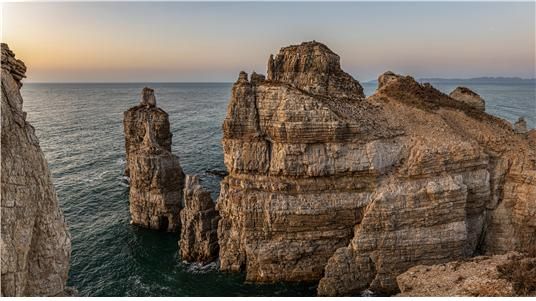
200, 42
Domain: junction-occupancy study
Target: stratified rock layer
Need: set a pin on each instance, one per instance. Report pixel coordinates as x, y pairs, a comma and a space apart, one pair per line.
477, 277
134, 125
35, 242
324, 183
199, 224
156, 177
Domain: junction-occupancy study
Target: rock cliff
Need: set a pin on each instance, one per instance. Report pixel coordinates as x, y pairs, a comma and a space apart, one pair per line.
156, 177
35, 241
327, 184
199, 224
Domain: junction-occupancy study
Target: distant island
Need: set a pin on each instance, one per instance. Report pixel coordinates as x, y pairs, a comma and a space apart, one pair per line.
476, 80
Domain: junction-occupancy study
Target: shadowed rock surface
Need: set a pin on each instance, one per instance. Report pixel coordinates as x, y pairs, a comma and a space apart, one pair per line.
35, 241
156, 177
199, 224
326, 184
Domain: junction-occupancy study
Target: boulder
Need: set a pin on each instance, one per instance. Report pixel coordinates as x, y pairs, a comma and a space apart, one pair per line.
466, 96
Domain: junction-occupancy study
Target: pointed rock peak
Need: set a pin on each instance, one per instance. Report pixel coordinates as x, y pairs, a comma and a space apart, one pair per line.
242, 77
386, 77
313, 67
147, 97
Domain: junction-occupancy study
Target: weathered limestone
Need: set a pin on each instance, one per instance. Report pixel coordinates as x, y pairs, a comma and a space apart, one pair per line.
465, 95
326, 184
35, 241
156, 177
134, 125
199, 221
477, 277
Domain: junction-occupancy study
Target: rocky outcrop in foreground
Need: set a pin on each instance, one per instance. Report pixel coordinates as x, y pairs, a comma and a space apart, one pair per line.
325, 184
156, 177
477, 277
199, 224
35, 241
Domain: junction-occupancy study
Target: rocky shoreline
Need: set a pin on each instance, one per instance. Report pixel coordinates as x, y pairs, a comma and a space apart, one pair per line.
395, 193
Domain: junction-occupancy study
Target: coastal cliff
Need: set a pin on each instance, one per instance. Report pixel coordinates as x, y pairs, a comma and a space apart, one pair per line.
156, 177
35, 241
327, 184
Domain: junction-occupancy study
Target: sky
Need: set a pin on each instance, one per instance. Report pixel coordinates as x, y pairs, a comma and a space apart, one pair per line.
212, 42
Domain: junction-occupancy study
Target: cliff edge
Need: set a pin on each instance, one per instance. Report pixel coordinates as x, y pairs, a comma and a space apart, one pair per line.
325, 184
35, 241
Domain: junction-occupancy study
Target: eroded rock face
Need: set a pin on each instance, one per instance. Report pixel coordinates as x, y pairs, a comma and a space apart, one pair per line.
477, 277
465, 95
520, 126
35, 241
199, 224
314, 68
134, 125
354, 191
156, 177
464, 185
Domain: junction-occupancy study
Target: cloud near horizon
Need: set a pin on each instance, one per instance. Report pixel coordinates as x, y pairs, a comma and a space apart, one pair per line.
205, 42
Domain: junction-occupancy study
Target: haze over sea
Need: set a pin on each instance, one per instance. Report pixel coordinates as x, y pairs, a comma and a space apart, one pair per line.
81, 133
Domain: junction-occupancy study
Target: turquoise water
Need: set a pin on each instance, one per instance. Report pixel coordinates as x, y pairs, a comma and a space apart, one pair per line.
80, 131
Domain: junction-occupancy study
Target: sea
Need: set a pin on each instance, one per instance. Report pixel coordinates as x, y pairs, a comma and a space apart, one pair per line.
81, 133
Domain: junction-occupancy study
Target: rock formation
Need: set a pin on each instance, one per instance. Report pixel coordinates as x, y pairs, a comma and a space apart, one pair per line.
35, 241
477, 277
199, 224
520, 126
327, 184
134, 125
156, 177
466, 96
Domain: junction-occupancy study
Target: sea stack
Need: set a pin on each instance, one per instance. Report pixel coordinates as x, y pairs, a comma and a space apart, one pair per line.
325, 184
156, 177
35, 241
199, 224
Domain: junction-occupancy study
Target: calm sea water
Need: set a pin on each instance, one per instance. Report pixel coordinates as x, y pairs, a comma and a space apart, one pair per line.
80, 131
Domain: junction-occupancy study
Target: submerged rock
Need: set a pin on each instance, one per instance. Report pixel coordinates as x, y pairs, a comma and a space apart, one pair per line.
156, 177
199, 220
35, 241
326, 184
466, 96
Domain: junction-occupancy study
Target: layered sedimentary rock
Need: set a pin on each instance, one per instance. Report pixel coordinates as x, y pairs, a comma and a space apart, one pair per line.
134, 125
35, 241
477, 277
199, 223
156, 177
465, 95
327, 184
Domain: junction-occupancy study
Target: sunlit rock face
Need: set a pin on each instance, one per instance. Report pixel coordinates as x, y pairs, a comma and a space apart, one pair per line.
325, 184
156, 177
35, 241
